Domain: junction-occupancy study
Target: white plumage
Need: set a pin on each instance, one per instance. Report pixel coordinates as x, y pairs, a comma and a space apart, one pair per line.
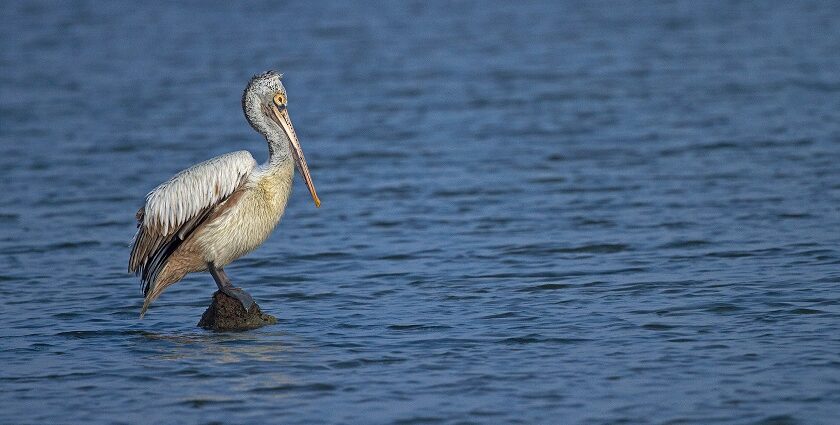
187, 193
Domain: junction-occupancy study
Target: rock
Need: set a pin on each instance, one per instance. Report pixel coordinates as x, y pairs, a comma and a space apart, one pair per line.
227, 314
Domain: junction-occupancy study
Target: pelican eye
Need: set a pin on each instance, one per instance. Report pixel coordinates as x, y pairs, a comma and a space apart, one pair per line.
279, 99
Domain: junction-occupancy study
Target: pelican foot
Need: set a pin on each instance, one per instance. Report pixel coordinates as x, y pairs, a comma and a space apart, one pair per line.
238, 293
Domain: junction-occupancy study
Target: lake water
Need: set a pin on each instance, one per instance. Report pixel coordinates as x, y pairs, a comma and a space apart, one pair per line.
552, 212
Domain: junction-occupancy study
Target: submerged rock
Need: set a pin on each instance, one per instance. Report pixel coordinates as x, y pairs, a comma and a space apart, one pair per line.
227, 314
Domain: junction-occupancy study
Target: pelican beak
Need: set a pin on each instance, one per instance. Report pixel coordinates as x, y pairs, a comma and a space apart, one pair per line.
281, 117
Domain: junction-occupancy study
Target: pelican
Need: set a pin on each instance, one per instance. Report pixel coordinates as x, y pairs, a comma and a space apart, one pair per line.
212, 213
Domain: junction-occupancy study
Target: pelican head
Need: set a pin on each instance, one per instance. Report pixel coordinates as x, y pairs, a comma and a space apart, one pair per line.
264, 103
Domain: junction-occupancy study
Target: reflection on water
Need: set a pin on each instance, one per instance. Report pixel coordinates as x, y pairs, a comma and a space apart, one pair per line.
216, 347
595, 211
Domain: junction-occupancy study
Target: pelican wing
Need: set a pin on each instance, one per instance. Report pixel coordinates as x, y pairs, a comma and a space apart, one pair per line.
174, 209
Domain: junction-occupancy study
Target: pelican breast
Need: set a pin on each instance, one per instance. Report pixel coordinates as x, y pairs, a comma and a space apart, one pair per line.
251, 217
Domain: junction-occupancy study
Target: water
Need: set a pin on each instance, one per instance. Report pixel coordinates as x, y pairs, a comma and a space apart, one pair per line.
583, 212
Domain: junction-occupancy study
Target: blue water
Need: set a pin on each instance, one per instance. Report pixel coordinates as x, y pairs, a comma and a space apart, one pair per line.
552, 212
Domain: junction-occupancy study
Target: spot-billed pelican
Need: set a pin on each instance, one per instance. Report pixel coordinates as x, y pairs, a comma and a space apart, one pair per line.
214, 212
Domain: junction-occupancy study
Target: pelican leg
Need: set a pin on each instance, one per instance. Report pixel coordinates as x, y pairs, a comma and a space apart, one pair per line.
223, 282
